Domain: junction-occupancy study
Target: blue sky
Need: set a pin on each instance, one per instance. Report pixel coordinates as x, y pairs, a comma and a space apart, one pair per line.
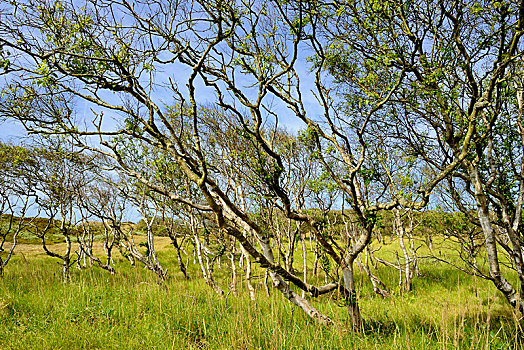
11, 131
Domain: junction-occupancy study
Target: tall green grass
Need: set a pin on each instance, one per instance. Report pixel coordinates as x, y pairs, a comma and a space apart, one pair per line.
446, 310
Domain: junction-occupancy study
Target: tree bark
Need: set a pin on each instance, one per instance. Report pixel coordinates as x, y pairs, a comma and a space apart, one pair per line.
250, 287
352, 300
498, 279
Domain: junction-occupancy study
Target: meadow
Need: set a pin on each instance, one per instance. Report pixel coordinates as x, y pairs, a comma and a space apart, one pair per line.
446, 309
345, 146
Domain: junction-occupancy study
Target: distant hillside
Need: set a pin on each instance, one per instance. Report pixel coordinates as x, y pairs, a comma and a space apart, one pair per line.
33, 226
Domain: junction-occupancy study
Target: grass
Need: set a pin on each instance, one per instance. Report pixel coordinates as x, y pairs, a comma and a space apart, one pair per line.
446, 310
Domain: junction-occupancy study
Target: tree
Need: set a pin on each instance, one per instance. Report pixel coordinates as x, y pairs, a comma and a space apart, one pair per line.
387, 78
16, 197
101, 201
58, 177
453, 64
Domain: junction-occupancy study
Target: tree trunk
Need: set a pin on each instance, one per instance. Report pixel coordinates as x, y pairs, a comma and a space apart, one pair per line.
304, 261
179, 259
352, 300
67, 260
500, 282
66, 275
250, 287
315, 262
207, 274
405, 283
233, 287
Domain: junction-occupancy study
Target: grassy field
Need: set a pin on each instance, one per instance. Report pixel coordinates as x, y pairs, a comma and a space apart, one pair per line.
446, 310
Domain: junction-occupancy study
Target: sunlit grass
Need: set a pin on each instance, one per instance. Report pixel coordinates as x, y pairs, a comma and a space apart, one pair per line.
445, 310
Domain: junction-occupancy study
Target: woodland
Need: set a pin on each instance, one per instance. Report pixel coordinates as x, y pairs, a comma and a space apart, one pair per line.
262, 174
